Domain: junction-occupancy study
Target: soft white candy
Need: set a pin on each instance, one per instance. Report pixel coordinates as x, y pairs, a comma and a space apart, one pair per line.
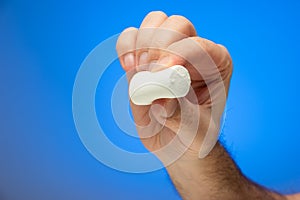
146, 86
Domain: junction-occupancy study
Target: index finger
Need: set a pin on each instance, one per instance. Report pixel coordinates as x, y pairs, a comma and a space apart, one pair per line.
126, 48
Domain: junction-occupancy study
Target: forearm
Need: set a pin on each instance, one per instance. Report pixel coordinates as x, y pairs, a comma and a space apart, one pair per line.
214, 177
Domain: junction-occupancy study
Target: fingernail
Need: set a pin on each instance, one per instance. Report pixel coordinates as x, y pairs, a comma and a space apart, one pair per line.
143, 58
129, 60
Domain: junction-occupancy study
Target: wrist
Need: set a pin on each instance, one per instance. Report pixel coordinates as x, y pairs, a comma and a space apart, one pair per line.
214, 177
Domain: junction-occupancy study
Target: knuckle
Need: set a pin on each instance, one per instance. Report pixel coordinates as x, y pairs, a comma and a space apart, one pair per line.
156, 13
184, 22
225, 50
153, 19
226, 61
129, 29
227, 57
125, 39
180, 19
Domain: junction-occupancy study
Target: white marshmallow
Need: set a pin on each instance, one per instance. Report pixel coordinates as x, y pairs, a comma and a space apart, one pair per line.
146, 86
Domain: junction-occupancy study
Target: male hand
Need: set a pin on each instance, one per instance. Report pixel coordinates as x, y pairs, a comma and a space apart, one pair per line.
194, 121
163, 41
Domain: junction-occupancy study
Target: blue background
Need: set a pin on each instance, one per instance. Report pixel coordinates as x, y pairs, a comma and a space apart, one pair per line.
42, 44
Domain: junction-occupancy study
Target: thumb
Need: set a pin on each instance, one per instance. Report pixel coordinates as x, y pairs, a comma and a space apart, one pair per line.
168, 106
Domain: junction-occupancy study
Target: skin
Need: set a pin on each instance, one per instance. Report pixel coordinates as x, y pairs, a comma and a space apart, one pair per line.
153, 47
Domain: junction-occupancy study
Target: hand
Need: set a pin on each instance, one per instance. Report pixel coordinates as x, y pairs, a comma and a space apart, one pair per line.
293, 197
193, 121
163, 41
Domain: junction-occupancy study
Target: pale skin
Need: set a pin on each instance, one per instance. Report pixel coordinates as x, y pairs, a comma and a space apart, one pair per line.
216, 176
